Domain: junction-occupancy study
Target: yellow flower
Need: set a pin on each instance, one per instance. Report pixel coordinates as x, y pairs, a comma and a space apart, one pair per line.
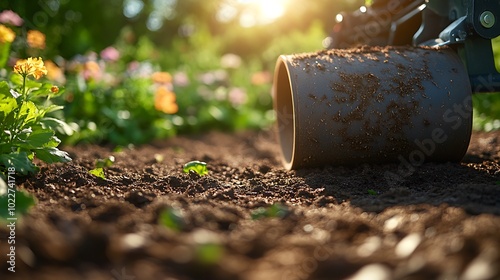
161, 77
36, 39
165, 101
31, 66
6, 34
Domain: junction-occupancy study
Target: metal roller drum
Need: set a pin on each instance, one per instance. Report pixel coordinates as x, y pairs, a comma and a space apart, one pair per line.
372, 105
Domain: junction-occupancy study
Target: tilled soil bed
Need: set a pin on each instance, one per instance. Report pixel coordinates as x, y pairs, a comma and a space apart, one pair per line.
251, 219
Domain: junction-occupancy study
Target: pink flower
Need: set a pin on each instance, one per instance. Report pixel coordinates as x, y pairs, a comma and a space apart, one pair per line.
181, 79
237, 96
110, 54
230, 60
140, 69
9, 17
212, 77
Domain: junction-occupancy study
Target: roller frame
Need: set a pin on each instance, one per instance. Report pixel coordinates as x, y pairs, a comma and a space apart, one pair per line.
455, 23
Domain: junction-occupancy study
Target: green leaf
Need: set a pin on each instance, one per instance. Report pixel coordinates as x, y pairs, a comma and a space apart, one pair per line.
4, 53
5, 148
4, 89
29, 112
58, 125
172, 219
52, 108
209, 253
274, 211
18, 80
20, 138
23, 202
372, 192
98, 172
53, 142
7, 104
51, 155
42, 90
19, 160
107, 162
197, 166
39, 138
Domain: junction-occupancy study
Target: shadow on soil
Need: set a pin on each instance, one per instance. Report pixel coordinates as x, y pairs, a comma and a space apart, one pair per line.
473, 185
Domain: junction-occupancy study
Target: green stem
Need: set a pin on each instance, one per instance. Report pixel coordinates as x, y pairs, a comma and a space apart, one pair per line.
24, 90
16, 128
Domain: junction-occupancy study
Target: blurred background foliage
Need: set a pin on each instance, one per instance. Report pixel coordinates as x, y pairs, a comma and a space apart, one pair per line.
487, 105
235, 26
220, 56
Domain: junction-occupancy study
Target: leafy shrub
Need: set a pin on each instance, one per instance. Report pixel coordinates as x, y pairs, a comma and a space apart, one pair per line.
127, 100
26, 130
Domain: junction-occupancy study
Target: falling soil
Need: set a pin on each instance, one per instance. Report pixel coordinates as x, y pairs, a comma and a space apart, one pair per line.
251, 219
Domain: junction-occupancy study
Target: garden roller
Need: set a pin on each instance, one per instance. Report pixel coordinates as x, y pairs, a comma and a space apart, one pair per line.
394, 84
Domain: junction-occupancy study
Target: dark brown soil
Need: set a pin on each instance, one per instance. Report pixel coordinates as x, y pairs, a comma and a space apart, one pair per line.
435, 221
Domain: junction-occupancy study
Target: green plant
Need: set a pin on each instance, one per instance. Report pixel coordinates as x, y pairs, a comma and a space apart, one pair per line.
486, 113
372, 192
23, 202
197, 166
276, 210
13, 202
105, 162
209, 253
98, 172
26, 131
100, 164
171, 218
121, 111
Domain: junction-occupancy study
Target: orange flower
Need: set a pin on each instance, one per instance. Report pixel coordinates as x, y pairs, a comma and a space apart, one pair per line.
54, 89
6, 34
36, 39
261, 78
161, 77
165, 101
54, 73
30, 66
92, 70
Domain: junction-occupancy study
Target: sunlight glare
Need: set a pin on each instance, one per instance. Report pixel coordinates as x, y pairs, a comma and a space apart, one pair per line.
339, 18
262, 11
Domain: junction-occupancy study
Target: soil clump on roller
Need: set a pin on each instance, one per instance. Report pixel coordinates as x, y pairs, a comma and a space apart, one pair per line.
251, 219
